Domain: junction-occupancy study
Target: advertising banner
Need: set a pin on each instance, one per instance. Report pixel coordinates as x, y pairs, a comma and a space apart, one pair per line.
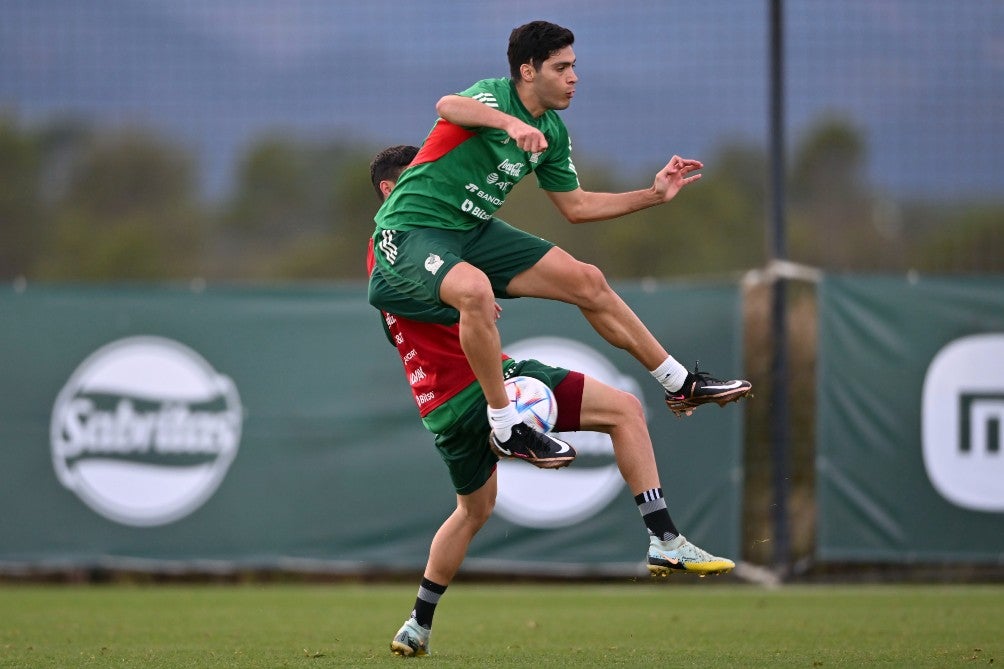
162, 427
910, 466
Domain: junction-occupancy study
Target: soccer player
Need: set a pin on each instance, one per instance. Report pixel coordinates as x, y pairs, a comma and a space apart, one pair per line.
452, 406
438, 242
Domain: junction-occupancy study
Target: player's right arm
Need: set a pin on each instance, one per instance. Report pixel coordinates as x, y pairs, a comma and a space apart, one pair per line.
470, 113
580, 206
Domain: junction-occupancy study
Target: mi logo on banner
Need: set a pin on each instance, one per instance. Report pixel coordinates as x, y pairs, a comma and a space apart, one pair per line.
980, 418
962, 420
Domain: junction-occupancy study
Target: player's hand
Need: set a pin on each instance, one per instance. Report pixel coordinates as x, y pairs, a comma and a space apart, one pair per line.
677, 173
498, 311
527, 137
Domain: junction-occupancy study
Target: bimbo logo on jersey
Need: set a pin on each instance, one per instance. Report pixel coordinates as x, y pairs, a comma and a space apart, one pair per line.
545, 498
145, 430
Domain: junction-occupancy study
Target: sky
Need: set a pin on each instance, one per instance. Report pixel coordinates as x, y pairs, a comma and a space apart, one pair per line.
922, 80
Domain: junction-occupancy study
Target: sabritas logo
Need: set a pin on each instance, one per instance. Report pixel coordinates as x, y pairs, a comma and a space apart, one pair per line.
145, 430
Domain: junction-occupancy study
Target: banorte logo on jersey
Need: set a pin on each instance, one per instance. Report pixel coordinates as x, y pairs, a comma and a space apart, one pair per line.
145, 430
540, 498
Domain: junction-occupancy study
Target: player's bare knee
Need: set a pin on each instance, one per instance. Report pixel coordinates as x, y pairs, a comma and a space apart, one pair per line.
476, 304
629, 409
591, 287
478, 514
470, 292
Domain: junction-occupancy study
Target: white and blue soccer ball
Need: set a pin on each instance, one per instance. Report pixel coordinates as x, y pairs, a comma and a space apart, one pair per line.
534, 401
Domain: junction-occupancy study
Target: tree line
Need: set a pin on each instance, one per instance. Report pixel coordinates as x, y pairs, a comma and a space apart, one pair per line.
78, 204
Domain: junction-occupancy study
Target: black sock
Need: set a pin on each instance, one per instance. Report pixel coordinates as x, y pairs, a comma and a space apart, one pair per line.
652, 506
425, 604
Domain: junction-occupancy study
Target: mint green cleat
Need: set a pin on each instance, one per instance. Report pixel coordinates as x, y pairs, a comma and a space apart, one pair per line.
665, 557
411, 640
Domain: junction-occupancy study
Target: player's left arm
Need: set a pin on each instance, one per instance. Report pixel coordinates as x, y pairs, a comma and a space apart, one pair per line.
581, 206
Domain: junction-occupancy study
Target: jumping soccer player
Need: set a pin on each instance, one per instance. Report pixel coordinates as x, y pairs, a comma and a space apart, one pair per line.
438, 242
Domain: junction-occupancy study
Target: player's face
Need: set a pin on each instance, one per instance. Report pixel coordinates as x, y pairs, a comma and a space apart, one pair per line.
555, 83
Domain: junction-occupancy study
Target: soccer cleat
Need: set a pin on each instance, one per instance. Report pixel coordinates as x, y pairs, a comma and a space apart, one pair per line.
678, 554
539, 449
412, 640
701, 388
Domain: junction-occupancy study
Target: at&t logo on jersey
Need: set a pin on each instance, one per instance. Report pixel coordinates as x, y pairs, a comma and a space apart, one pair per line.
144, 431
493, 179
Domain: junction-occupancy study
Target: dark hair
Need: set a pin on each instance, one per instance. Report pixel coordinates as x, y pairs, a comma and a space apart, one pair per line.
389, 163
534, 43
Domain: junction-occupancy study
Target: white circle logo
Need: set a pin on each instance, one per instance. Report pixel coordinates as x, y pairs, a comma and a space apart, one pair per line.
539, 498
145, 430
963, 422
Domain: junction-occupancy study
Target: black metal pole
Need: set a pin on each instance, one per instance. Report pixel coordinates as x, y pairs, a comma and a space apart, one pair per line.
777, 250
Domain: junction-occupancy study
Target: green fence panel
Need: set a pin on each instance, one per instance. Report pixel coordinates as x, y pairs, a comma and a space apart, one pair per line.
909, 462
159, 427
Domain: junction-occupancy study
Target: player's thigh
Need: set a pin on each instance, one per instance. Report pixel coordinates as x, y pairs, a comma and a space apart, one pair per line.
464, 448
414, 262
604, 406
387, 298
559, 276
503, 252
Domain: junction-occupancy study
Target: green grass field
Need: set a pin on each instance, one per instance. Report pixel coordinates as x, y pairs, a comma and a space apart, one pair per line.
695, 624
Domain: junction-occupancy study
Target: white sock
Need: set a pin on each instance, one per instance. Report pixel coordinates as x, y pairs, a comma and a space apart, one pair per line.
502, 420
670, 374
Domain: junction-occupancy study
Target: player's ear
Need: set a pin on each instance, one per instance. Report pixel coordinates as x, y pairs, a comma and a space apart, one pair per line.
386, 186
527, 72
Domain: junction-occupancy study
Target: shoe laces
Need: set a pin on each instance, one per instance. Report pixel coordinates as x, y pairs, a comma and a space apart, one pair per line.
536, 443
417, 632
521, 431
686, 551
691, 553
703, 378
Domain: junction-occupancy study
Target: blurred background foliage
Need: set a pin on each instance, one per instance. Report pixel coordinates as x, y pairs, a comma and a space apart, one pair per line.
80, 204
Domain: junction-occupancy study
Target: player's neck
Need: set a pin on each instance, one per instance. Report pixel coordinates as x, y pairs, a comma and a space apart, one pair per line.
530, 100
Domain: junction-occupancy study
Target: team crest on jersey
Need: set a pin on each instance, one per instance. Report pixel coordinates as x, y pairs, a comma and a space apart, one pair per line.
535, 157
433, 263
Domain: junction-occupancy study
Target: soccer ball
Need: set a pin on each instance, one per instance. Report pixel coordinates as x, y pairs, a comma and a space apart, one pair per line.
534, 401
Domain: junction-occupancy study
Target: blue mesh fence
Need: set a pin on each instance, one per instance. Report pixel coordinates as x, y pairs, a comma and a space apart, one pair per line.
920, 80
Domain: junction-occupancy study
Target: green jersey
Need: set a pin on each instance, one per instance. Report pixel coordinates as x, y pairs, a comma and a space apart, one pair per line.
461, 176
